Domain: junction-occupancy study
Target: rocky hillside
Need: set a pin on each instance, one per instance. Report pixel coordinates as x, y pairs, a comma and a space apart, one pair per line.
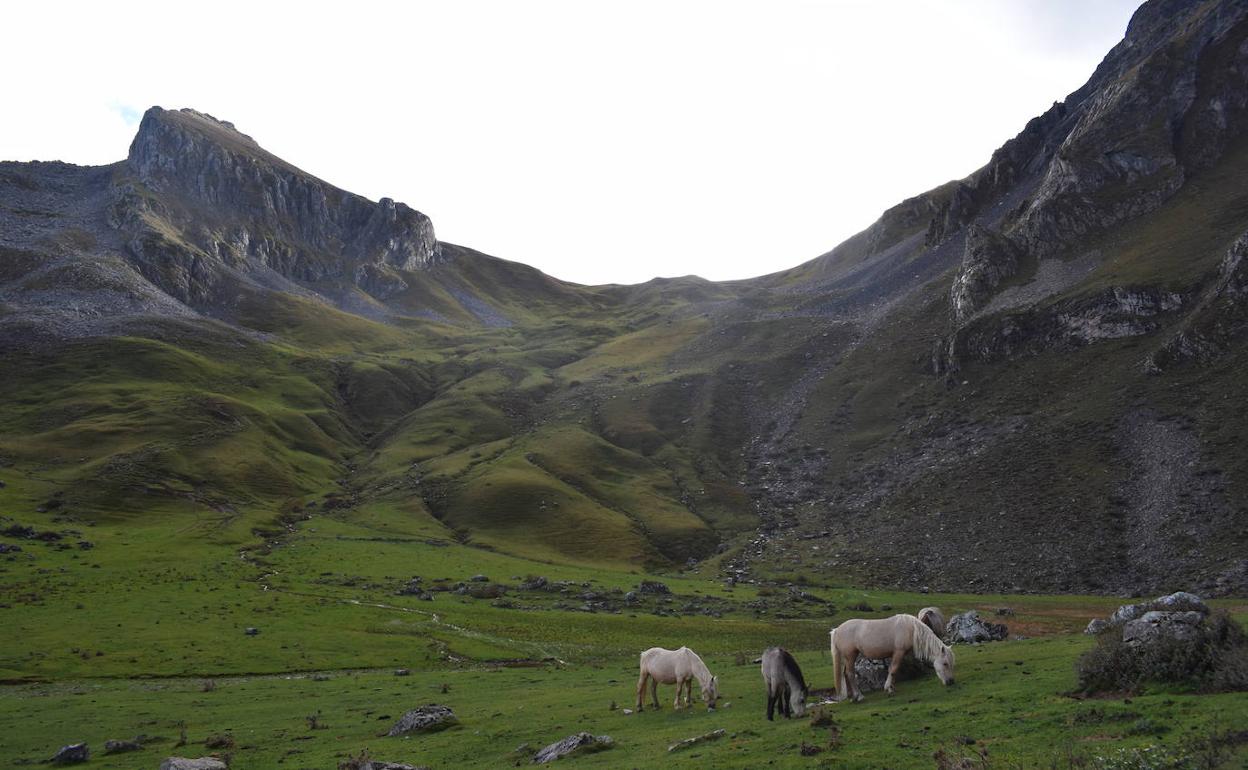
1026, 378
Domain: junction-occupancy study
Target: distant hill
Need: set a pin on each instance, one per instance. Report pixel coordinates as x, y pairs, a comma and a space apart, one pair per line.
1029, 378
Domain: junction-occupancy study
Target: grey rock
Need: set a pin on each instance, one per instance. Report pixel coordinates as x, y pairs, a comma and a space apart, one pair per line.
536, 584
201, 763
1096, 626
251, 630
579, 743
120, 747
653, 587
694, 741
1156, 624
479, 579
1177, 601
969, 628
71, 754
425, 719
871, 674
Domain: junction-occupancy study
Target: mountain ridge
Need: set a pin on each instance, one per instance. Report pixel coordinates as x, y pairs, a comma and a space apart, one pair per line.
979, 389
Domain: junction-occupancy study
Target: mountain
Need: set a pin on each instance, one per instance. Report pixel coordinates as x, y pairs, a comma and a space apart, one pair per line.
1025, 379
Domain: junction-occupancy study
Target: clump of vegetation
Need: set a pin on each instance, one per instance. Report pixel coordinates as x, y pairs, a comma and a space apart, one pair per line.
219, 741
1214, 659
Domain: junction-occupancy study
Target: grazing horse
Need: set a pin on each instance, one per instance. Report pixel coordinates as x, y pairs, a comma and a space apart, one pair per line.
678, 667
785, 684
933, 619
888, 637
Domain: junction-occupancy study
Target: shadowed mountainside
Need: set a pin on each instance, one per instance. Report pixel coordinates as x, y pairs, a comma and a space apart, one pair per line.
1027, 378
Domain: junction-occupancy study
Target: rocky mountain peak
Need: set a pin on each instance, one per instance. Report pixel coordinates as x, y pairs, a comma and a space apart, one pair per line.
230, 201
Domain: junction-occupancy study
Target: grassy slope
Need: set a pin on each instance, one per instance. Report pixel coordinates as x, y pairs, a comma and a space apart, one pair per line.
323, 601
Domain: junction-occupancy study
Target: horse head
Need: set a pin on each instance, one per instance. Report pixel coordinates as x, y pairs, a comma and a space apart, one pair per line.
797, 701
943, 663
710, 692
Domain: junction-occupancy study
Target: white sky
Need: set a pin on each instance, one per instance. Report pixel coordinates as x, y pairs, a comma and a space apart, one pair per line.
601, 142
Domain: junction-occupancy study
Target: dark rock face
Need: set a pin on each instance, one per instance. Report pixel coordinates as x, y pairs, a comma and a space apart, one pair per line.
573, 744
970, 628
425, 719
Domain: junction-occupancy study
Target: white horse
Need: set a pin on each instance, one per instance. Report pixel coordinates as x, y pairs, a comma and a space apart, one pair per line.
888, 637
678, 667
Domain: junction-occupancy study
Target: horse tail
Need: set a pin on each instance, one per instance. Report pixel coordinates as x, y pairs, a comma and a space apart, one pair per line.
836, 663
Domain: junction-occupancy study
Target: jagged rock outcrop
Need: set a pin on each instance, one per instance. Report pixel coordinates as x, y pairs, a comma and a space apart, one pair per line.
202, 198
1219, 318
1165, 102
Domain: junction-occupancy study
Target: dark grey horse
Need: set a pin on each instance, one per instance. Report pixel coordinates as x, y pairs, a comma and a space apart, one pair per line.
785, 685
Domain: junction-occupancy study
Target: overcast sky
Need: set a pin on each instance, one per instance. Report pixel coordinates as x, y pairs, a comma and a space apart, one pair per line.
601, 142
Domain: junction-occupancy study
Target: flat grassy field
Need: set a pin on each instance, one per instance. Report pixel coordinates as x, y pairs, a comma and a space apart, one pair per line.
144, 633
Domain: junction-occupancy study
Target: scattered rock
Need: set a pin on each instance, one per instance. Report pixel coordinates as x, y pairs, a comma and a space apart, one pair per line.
202, 763
1004, 611
686, 743
479, 579
425, 719
1175, 602
402, 672
809, 749
969, 628
580, 743
251, 630
120, 747
6, 548
534, 584
653, 587
71, 754
630, 597
1096, 626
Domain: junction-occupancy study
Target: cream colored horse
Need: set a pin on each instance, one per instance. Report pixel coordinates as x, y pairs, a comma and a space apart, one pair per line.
885, 638
678, 667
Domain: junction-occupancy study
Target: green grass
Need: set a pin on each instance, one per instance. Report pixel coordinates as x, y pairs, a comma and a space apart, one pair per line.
323, 601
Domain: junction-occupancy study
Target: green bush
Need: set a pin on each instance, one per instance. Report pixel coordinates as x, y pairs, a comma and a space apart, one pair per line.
1215, 659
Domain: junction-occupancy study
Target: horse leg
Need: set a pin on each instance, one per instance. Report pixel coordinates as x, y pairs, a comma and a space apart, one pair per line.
785, 707
771, 703
654, 691
852, 676
641, 690
680, 691
893, 665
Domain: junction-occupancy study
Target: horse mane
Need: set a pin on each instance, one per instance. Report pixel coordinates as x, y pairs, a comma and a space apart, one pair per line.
700, 670
793, 670
926, 644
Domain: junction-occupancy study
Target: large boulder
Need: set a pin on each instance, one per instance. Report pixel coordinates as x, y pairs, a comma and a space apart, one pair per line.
426, 719
581, 743
970, 628
71, 754
202, 763
872, 673
1156, 624
1179, 601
